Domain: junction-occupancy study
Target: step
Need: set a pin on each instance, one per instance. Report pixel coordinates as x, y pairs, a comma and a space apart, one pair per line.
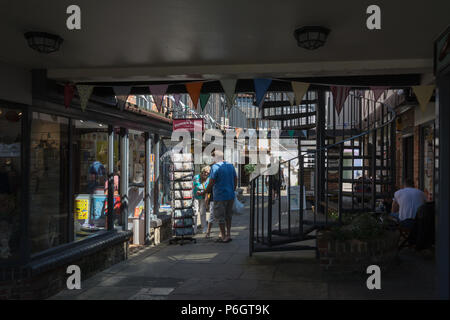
286, 103
366, 181
289, 116
300, 127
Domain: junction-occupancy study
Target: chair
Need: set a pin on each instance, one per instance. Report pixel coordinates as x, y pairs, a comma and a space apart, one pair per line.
418, 232
406, 228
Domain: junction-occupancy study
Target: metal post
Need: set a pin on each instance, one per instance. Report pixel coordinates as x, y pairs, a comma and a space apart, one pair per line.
156, 175
70, 227
110, 215
124, 174
269, 212
148, 186
442, 187
301, 184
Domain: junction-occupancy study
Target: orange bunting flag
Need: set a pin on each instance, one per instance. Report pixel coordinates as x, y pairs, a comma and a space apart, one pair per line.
194, 88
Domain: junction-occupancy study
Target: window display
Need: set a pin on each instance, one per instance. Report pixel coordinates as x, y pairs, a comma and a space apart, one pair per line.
428, 161
49, 210
90, 166
10, 183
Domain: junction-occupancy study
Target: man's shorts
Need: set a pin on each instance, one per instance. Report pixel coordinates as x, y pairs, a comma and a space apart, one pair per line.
223, 210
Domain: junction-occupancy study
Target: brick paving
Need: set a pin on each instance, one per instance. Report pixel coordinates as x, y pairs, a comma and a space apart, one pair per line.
209, 270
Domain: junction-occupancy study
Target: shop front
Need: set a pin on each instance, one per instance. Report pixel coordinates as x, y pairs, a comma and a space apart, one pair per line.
71, 185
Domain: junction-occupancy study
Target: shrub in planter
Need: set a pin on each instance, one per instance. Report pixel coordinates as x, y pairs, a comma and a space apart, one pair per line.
360, 241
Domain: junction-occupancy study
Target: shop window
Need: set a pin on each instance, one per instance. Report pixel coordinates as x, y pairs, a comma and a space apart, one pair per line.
90, 178
136, 169
427, 159
49, 210
10, 183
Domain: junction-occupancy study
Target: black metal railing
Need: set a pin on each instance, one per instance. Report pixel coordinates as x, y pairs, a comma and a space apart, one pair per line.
371, 143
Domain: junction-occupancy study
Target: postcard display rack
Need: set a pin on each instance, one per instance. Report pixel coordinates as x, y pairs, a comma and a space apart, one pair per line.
182, 176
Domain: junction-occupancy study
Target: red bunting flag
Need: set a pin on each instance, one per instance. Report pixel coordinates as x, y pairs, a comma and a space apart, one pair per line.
69, 92
378, 91
340, 94
158, 91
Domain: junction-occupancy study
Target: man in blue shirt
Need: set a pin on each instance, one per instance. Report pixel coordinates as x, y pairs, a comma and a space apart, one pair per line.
222, 182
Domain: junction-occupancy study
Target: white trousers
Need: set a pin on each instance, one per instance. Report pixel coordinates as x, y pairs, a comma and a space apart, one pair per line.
200, 214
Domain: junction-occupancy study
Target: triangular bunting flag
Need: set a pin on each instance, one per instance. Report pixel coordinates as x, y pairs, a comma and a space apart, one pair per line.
69, 91
84, 91
423, 94
291, 98
177, 98
340, 94
291, 133
238, 132
158, 91
204, 97
378, 91
300, 89
121, 93
229, 87
194, 88
261, 87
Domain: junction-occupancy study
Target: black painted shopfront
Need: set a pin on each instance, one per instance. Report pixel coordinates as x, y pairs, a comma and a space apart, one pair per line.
61, 169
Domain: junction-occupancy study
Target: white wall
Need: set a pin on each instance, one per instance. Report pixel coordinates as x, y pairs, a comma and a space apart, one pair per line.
15, 84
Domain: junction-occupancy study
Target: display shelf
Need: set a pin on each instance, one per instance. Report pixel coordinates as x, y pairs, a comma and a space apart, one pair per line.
182, 175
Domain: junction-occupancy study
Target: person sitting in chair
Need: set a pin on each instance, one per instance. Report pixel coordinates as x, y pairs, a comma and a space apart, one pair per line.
406, 202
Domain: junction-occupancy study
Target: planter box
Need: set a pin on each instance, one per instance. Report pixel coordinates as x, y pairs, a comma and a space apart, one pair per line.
354, 256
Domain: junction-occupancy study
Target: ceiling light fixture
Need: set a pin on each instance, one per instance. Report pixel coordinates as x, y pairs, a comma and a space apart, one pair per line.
311, 37
43, 42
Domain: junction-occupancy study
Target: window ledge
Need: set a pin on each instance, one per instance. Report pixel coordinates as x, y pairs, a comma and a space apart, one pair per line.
75, 251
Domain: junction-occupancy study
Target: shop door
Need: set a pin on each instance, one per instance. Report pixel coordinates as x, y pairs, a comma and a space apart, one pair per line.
408, 158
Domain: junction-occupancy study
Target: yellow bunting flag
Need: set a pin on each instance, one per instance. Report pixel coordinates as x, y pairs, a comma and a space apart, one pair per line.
84, 91
300, 89
194, 88
423, 94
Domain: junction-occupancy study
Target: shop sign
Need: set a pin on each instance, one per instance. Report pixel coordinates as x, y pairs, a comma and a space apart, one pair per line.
191, 125
442, 52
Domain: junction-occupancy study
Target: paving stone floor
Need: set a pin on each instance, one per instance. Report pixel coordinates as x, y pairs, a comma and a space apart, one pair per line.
208, 270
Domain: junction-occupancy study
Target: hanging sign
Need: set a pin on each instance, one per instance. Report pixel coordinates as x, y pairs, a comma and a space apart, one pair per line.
191, 125
442, 52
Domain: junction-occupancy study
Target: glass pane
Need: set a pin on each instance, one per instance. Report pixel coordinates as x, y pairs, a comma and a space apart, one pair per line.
90, 168
10, 186
48, 220
136, 169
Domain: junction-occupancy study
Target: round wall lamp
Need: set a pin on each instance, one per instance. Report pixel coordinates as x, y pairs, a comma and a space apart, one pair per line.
311, 37
43, 42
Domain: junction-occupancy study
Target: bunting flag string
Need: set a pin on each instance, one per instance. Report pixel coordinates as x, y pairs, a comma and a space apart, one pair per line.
122, 93
299, 89
204, 97
378, 91
340, 94
84, 91
158, 91
194, 88
177, 97
423, 94
69, 92
261, 87
229, 87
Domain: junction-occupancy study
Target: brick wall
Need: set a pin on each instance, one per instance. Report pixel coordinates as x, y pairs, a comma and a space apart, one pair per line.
354, 256
49, 283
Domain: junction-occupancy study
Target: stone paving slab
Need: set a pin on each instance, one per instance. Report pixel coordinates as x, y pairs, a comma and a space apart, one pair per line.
214, 271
